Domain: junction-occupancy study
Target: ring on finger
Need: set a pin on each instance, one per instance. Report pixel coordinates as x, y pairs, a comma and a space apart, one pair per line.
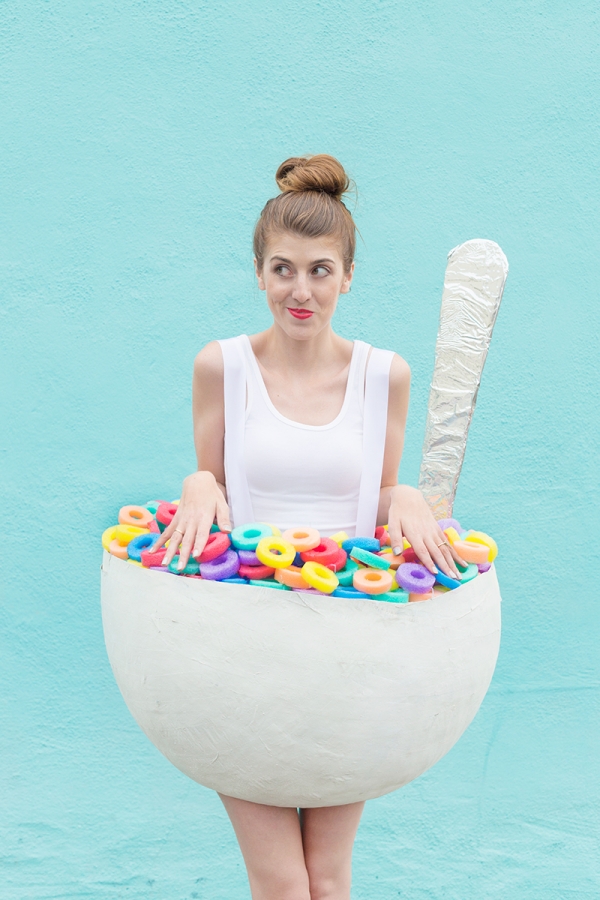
442, 544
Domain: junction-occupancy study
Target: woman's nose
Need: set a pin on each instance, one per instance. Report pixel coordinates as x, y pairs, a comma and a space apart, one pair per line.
301, 291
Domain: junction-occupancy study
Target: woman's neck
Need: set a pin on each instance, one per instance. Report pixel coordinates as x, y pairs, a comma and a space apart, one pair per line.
275, 350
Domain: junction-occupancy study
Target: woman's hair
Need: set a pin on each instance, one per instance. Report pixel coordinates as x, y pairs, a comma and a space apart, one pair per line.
310, 205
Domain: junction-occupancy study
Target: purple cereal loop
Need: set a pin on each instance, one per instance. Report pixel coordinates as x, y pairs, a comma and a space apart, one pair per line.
414, 578
484, 567
225, 566
249, 558
450, 523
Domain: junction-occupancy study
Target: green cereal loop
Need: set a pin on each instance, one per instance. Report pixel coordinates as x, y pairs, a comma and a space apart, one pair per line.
346, 575
393, 597
469, 573
369, 559
191, 568
246, 537
267, 583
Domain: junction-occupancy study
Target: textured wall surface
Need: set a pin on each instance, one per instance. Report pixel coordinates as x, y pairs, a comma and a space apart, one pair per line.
138, 144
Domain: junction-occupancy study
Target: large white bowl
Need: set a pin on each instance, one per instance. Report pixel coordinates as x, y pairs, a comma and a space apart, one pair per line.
294, 699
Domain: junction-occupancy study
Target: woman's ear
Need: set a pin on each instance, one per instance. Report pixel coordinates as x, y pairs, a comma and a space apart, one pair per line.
261, 283
346, 283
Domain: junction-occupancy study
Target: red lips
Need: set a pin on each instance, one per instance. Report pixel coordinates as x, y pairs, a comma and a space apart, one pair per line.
300, 313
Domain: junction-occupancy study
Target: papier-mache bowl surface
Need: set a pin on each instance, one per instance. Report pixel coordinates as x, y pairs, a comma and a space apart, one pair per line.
293, 699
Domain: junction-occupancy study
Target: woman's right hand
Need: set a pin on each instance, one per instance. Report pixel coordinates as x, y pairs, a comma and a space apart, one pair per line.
202, 501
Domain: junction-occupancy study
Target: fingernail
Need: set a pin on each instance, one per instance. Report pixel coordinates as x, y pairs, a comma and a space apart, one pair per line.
397, 551
164, 562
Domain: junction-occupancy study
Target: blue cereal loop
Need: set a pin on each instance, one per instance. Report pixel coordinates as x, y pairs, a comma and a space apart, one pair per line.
139, 543
365, 543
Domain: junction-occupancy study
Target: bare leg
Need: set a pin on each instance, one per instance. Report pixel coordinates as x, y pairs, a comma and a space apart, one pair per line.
271, 843
328, 837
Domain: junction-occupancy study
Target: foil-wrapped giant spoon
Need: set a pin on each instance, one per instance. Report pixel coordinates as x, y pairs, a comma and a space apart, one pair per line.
473, 286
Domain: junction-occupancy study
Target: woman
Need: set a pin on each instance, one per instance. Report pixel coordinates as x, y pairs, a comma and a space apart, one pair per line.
293, 454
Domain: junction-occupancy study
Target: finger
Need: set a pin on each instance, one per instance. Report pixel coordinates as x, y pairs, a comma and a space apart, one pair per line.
443, 559
187, 542
396, 537
201, 538
175, 538
424, 555
457, 557
223, 517
160, 539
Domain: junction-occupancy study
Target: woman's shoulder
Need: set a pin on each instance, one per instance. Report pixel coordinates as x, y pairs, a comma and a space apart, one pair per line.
208, 364
399, 371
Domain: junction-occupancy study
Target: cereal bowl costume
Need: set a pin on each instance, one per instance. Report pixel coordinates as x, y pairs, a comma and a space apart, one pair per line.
304, 700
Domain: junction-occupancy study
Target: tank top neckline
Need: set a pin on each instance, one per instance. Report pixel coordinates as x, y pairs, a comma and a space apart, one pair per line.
354, 362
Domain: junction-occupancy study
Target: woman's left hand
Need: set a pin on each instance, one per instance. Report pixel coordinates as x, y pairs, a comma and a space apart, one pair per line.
411, 517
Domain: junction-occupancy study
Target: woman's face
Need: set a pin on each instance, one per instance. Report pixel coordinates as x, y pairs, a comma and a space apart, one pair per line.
303, 278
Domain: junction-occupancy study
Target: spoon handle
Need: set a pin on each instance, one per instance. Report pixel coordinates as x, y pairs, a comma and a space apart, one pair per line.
473, 286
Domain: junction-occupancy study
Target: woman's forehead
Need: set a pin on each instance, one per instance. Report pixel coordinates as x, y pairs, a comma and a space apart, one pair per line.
295, 247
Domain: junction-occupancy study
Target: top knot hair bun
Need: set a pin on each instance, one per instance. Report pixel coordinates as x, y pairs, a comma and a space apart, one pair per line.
310, 205
322, 173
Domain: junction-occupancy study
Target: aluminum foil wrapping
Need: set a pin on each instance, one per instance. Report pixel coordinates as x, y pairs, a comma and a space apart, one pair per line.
473, 286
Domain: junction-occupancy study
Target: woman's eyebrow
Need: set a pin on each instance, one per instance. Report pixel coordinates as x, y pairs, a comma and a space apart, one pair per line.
315, 262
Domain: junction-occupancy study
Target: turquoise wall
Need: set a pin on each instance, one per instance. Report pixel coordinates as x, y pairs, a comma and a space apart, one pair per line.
138, 143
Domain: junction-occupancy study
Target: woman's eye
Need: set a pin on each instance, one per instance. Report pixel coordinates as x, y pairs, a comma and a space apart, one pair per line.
281, 270
321, 270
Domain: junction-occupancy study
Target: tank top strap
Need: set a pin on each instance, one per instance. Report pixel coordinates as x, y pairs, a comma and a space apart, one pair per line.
234, 389
358, 373
377, 387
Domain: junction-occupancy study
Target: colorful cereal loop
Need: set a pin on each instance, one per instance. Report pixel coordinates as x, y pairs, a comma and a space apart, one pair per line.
372, 560
372, 581
326, 552
275, 552
291, 577
472, 552
126, 533
246, 537
302, 539
135, 515
480, 537
118, 550
320, 577
415, 598
216, 545
108, 536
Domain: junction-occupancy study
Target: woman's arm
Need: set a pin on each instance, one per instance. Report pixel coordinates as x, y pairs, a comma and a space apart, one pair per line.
402, 506
203, 492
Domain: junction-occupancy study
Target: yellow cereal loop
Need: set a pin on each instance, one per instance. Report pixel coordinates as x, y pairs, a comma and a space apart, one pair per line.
273, 528
452, 534
480, 537
275, 552
108, 537
126, 533
320, 577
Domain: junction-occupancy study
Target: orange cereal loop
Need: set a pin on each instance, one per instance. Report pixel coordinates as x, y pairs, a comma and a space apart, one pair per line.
291, 577
117, 549
135, 515
416, 598
480, 537
472, 552
372, 581
302, 539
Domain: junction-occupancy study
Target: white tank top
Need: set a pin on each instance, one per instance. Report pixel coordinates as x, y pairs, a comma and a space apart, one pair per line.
289, 474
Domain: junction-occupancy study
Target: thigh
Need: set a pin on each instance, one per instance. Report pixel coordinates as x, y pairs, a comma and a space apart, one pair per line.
271, 843
328, 837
